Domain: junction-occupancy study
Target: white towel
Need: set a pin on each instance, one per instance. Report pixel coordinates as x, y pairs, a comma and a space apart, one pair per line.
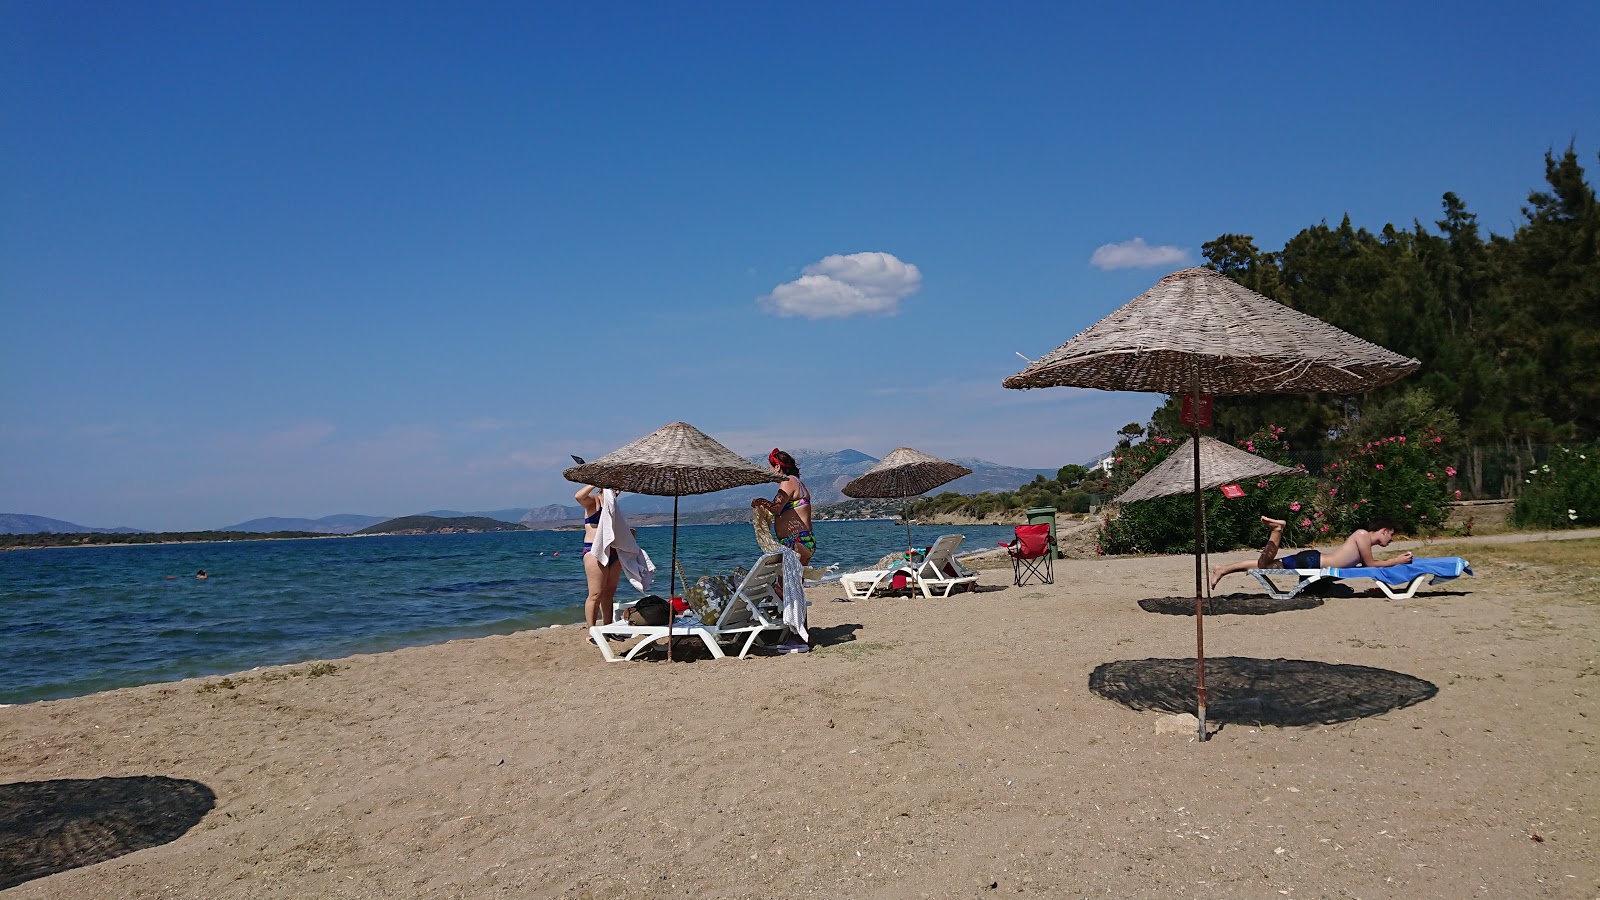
612, 533
794, 595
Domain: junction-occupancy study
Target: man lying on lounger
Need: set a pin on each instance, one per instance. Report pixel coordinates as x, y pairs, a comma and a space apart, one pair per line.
1356, 550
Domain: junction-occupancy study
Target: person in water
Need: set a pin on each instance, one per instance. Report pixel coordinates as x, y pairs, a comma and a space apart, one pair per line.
791, 508
1355, 551
200, 574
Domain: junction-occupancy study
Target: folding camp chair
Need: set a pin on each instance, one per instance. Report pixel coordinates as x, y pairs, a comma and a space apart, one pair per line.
1032, 554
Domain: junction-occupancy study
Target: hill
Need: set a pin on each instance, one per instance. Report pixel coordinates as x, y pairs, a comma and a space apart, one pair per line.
343, 523
21, 523
438, 525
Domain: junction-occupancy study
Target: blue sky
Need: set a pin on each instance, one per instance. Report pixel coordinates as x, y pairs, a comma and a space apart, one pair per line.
301, 259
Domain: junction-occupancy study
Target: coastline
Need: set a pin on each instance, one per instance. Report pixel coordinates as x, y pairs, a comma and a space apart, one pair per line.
924, 748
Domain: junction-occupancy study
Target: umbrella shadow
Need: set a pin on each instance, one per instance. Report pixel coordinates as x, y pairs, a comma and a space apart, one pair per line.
53, 826
1229, 605
1245, 691
834, 635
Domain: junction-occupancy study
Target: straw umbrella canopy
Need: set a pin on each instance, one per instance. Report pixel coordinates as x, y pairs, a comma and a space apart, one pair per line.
904, 473
1219, 464
1198, 332
673, 461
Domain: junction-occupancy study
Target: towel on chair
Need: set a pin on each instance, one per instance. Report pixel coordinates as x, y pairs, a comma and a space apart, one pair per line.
1440, 567
612, 533
794, 595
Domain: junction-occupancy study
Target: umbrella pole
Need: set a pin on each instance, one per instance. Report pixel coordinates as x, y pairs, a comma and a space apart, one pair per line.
1199, 572
905, 513
672, 576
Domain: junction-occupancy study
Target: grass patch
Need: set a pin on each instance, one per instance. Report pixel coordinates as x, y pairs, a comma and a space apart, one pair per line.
1568, 568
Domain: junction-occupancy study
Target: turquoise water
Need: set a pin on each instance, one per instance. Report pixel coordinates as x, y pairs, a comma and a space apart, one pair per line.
76, 620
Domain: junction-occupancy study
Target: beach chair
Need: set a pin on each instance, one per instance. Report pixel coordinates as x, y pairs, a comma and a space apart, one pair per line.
861, 585
1032, 554
1396, 582
754, 609
940, 572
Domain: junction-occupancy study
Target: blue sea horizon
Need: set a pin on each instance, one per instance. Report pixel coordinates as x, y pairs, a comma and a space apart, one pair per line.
78, 620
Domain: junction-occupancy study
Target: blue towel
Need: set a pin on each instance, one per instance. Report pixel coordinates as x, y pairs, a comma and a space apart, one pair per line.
1440, 567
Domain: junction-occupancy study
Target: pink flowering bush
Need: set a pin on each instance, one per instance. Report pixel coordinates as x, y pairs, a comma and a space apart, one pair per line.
1401, 478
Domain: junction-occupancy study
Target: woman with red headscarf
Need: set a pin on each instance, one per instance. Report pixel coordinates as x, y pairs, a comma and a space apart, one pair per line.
791, 509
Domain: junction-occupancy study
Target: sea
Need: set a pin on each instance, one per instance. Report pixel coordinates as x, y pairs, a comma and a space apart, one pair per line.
77, 620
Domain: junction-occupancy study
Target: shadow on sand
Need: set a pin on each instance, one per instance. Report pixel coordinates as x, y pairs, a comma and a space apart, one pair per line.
52, 826
1245, 691
1242, 604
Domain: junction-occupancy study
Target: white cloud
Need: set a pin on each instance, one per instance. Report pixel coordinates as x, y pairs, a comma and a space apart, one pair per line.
1136, 254
842, 286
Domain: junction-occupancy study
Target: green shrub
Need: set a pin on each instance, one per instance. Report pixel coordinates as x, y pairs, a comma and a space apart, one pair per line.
1561, 492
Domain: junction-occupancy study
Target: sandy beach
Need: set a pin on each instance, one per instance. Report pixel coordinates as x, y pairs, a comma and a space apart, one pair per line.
1004, 742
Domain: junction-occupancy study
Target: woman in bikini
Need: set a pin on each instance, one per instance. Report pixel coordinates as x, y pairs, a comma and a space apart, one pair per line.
791, 509
598, 609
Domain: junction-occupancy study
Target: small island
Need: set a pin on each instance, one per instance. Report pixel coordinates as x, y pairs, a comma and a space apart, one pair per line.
438, 525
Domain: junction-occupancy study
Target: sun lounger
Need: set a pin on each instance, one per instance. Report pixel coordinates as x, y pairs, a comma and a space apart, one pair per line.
754, 609
940, 572
931, 575
1396, 582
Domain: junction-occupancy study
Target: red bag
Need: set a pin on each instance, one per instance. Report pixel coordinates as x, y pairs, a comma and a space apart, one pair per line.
898, 582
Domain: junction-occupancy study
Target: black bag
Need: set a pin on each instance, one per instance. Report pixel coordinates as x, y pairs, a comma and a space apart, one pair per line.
650, 610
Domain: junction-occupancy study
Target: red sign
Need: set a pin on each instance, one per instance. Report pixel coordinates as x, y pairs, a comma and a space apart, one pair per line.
1232, 491
1205, 410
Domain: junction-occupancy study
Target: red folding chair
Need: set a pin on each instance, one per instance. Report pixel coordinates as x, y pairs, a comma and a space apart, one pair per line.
1032, 554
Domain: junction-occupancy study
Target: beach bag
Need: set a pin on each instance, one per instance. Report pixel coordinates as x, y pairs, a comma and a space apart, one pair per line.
650, 610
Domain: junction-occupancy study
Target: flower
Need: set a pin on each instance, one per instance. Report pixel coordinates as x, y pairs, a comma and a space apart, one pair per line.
1401, 439
1458, 495
1408, 506
1324, 529
1261, 484
1332, 491
1379, 465
1306, 523
1450, 470
1572, 515
1438, 440
1430, 475
1423, 516
1294, 507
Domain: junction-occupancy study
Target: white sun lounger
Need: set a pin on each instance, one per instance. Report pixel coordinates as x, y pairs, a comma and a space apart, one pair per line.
755, 608
929, 575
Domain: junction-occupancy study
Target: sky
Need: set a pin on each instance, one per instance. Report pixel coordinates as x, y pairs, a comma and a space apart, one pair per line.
279, 259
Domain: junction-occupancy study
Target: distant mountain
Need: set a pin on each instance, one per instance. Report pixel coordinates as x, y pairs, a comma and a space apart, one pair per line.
344, 523
440, 525
21, 523
552, 513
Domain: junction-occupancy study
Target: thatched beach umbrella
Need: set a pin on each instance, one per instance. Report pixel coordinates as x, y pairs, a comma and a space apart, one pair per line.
1199, 333
1219, 464
672, 461
904, 473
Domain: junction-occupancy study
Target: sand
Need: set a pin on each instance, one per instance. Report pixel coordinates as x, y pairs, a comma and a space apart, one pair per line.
980, 746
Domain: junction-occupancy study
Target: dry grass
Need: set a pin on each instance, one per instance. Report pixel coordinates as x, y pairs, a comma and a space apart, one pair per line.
1570, 568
